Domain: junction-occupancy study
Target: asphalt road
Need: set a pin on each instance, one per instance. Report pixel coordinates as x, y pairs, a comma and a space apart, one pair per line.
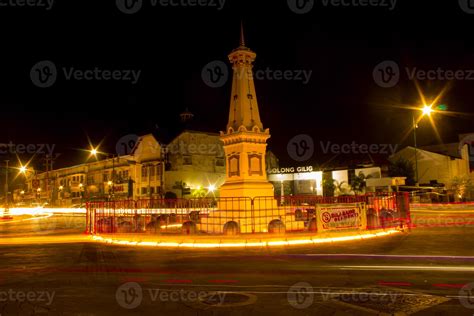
48, 267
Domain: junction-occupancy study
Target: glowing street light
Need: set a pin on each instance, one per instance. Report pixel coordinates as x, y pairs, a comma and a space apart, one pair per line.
427, 110
23, 169
211, 188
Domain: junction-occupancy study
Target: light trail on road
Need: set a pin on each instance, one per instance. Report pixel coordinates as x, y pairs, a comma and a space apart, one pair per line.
405, 268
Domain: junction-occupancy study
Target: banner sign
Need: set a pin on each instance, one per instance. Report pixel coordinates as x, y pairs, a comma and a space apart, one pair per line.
341, 216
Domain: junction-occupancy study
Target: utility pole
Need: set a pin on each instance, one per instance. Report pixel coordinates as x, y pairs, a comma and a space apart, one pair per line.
415, 126
6, 211
113, 177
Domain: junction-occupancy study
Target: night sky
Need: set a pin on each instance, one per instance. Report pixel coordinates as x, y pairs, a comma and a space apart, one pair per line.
340, 45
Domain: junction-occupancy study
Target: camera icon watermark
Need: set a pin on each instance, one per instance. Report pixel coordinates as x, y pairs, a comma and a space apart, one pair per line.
215, 74
126, 144
129, 295
467, 6
300, 6
301, 147
466, 295
301, 295
43, 74
386, 74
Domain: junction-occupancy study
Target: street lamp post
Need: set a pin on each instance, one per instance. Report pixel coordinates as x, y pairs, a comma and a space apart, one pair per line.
415, 126
426, 110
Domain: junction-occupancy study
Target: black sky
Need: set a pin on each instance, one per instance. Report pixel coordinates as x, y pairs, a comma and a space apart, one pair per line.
170, 45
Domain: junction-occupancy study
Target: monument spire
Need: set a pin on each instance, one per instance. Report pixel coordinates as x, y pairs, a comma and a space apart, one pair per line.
244, 110
242, 38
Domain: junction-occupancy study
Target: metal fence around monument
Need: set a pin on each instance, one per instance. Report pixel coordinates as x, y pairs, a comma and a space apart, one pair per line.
231, 216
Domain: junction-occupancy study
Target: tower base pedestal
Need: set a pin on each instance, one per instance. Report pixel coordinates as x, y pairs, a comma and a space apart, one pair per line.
249, 189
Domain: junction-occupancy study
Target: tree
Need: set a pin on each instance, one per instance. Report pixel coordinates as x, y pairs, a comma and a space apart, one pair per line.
461, 185
358, 183
183, 187
328, 187
402, 168
199, 192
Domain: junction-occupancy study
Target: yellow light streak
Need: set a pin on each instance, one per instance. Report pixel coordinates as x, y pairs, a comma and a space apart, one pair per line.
222, 244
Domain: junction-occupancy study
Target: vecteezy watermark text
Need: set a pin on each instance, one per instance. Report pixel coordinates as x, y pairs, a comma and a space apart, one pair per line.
387, 74
131, 294
46, 4
301, 295
11, 295
31, 149
126, 144
305, 6
216, 73
133, 6
44, 74
355, 148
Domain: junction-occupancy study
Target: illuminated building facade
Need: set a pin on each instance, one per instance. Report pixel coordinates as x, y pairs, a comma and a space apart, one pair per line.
192, 164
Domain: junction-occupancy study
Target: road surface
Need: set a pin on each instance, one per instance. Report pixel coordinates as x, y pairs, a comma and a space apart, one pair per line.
48, 267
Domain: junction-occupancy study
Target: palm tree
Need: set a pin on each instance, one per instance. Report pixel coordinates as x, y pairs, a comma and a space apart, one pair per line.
402, 168
358, 184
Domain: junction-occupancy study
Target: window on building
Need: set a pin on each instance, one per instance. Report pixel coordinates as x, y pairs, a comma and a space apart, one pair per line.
105, 177
187, 160
152, 190
144, 171
152, 172
144, 191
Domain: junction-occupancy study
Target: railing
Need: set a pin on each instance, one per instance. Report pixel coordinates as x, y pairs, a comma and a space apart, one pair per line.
232, 216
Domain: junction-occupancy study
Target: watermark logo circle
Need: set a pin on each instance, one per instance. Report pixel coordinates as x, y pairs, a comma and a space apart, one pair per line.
301, 147
300, 6
466, 294
467, 6
300, 295
43, 74
126, 144
467, 140
215, 74
129, 6
386, 74
129, 295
